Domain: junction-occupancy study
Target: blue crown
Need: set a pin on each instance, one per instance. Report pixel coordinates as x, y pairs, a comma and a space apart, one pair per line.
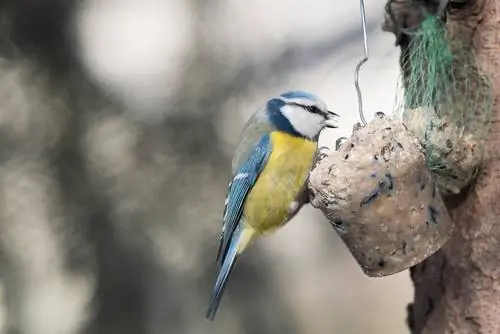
298, 94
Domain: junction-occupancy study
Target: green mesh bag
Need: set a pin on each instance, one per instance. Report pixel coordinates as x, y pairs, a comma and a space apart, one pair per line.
446, 103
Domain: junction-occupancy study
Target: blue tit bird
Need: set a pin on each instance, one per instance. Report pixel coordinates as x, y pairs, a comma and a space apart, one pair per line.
270, 169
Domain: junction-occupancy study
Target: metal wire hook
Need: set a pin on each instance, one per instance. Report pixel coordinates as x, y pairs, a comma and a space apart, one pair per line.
364, 60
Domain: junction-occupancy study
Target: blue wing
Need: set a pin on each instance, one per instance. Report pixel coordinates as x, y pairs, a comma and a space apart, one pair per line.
238, 189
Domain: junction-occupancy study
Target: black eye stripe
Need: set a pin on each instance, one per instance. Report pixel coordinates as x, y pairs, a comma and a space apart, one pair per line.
311, 109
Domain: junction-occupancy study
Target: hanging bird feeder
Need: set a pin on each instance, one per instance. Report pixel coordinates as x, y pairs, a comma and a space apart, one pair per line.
445, 100
379, 192
381, 198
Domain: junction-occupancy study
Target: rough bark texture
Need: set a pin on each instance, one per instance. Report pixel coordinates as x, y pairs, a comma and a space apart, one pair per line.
457, 290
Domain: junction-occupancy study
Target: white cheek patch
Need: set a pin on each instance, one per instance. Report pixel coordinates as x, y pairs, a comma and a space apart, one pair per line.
304, 122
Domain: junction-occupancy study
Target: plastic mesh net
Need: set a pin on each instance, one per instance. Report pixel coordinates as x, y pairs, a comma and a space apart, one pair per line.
446, 102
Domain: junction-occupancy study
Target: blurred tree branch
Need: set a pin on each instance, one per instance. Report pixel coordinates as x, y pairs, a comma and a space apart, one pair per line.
136, 202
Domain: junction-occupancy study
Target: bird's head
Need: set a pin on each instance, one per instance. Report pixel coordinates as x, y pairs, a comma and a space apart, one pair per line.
300, 114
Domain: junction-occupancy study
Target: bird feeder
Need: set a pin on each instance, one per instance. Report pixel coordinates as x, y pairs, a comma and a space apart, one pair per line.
445, 100
453, 155
381, 197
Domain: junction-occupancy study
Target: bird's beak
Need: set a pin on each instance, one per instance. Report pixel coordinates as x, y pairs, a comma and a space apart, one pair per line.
332, 121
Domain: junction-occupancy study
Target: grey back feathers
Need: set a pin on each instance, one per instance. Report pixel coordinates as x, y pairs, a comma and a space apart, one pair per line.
257, 126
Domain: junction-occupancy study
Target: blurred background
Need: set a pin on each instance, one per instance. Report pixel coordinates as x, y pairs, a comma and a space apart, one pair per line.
118, 119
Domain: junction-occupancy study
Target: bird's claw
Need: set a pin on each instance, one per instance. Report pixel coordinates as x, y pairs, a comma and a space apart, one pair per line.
339, 142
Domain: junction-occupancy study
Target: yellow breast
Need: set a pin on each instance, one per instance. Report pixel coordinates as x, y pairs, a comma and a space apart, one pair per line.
266, 207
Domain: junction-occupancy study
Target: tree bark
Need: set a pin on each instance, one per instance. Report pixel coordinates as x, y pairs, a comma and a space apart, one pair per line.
457, 290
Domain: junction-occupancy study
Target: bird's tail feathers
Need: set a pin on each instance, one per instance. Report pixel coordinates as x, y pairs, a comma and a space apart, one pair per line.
221, 241
219, 250
240, 240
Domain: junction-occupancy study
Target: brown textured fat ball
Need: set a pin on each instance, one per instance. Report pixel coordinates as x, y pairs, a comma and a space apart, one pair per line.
381, 198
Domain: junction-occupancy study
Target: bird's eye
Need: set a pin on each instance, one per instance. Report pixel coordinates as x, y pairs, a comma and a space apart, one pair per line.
314, 110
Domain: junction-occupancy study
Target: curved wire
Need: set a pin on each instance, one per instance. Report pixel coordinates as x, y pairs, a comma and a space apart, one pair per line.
440, 12
364, 60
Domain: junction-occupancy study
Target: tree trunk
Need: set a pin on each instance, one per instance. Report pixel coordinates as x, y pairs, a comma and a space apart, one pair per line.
457, 290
